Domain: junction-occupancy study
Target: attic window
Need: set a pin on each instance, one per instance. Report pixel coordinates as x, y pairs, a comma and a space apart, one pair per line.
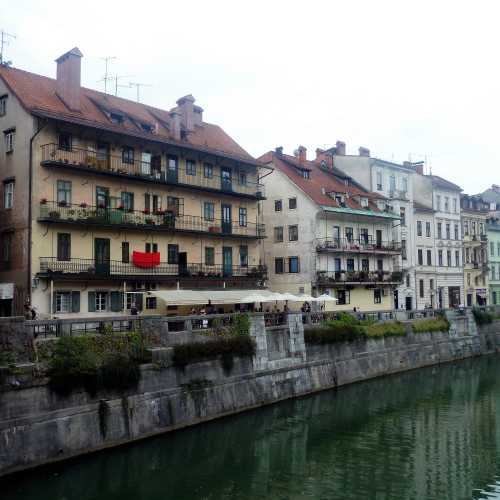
381, 205
116, 118
322, 163
363, 202
346, 182
3, 104
339, 198
147, 127
306, 174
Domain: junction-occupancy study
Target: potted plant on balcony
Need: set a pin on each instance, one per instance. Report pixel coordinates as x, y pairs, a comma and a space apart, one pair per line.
43, 201
83, 205
62, 203
54, 214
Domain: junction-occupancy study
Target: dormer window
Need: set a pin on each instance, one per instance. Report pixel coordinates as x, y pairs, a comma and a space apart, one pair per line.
363, 202
346, 182
306, 174
116, 118
147, 127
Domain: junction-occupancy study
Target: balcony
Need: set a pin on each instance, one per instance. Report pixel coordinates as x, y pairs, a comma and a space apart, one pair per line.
89, 269
62, 213
85, 160
358, 246
342, 278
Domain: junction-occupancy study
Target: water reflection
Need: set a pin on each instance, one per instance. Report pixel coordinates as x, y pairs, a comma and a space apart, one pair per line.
428, 434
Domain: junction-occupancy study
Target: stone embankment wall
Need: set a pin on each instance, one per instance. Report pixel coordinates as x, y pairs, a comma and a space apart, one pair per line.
37, 426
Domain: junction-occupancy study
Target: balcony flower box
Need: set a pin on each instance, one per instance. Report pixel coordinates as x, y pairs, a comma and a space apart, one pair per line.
83, 205
43, 201
54, 214
214, 229
146, 211
62, 203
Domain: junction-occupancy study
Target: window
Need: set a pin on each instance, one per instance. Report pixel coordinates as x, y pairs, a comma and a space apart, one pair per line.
493, 272
364, 202
363, 235
101, 301
210, 256
428, 229
278, 234
440, 257
421, 288
481, 228
392, 183
9, 138
448, 234
63, 246
419, 228
494, 297
242, 178
429, 257
3, 105
420, 257
292, 203
365, 265
127, 200
173, 254
128, 154
279, 265
456, 232
6, 239
125, 252
293, 265
278, 205
151, 303
190, 167
457, 258
151, 247
175, 205
455, 205
440, 230
377, 295
350, 264
306, 174
407, 281
64, 193
243, 217
380, 265
467, 255
498, 248
403, 249
8, 194
349, 234
448, 258
63, 302
244, 256
492, 248
404, 184
379, 181
293, 233
208, 170
446, 204
402, 214
208, 210
343, 297
338, 264
65, 141
438, 202
473, 228
431, 284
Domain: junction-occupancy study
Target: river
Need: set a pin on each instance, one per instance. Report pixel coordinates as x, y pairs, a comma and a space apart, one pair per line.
427, 434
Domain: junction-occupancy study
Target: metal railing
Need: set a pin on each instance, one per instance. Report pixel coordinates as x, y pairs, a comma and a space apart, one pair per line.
77, 266
107, 163
50, 211
357, 245
333, 277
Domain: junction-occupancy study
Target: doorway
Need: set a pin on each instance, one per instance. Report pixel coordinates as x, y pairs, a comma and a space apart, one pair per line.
409, 303
227, 261
226, 219
101, 256
454, 296
226, 179
396, 300
183, 265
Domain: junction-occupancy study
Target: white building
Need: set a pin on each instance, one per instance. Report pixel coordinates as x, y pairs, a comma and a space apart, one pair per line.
328, 233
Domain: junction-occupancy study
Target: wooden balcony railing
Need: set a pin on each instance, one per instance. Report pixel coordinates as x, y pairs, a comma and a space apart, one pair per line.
86, 159
362, 245
165, 220
110, 268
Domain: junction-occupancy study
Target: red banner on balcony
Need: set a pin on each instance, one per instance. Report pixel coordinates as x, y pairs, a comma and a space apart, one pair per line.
146, 260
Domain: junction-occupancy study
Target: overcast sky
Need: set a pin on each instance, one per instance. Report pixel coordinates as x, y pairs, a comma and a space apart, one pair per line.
408, 80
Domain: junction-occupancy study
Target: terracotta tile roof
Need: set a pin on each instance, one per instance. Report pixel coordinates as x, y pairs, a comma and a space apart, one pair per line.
37, 94
321, 182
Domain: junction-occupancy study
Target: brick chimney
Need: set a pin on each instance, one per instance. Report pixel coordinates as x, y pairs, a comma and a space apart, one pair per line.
419, 168
279, 151
322, 156
175, 124
186, 108
68, 81
364, 151
198, 115
340, 148
302, 154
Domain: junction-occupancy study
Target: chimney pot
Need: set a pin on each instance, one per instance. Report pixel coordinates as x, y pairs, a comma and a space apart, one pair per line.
68, 82
364, 151
279, 151
340, 148
186, 107
302, 154
175, 128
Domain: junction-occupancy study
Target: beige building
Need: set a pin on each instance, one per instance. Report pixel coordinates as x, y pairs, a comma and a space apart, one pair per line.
326, 234
117, 197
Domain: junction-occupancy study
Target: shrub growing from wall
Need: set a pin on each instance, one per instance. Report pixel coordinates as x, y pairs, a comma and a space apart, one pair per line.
431, 325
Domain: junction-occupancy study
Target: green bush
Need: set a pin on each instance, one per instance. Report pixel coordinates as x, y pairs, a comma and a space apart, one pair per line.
96, 362
431, 325
241, 325
388, 329
482, 317
225, 348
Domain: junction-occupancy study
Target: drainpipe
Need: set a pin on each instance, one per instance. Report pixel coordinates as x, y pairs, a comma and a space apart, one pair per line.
30, 206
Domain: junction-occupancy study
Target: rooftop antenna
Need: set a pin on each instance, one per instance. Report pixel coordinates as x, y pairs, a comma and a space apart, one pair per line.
106, 77
4, 36
116, 78
138, 87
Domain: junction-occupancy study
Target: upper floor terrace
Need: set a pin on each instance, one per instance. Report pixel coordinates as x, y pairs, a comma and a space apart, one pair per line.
366, 245
168, 169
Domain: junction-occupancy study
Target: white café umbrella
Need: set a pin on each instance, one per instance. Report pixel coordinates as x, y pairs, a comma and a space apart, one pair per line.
326, 298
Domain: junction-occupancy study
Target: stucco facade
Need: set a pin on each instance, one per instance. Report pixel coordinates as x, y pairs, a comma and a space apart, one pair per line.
493, 234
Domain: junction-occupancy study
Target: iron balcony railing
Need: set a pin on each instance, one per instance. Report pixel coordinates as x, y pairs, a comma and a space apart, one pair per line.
167, 220
357, 245
92, 267
367, 277
112, 164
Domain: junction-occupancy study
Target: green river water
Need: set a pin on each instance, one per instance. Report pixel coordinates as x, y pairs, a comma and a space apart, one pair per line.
427, 434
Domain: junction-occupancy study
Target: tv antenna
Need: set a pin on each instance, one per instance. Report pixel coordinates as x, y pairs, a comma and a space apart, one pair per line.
116, 79
138, 88
4, 36
106, 77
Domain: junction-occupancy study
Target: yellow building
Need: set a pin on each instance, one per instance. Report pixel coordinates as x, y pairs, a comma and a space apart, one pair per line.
116, 197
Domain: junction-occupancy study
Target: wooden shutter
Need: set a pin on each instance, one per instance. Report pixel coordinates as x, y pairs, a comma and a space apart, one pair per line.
138, 301
91, 298
75, 301
116, 301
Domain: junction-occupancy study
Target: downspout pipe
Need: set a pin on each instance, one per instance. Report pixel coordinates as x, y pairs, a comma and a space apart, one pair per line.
30, 204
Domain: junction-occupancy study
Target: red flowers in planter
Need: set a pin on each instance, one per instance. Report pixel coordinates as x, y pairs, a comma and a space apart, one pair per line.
83, 205
146, 260
146, 211
43, 201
